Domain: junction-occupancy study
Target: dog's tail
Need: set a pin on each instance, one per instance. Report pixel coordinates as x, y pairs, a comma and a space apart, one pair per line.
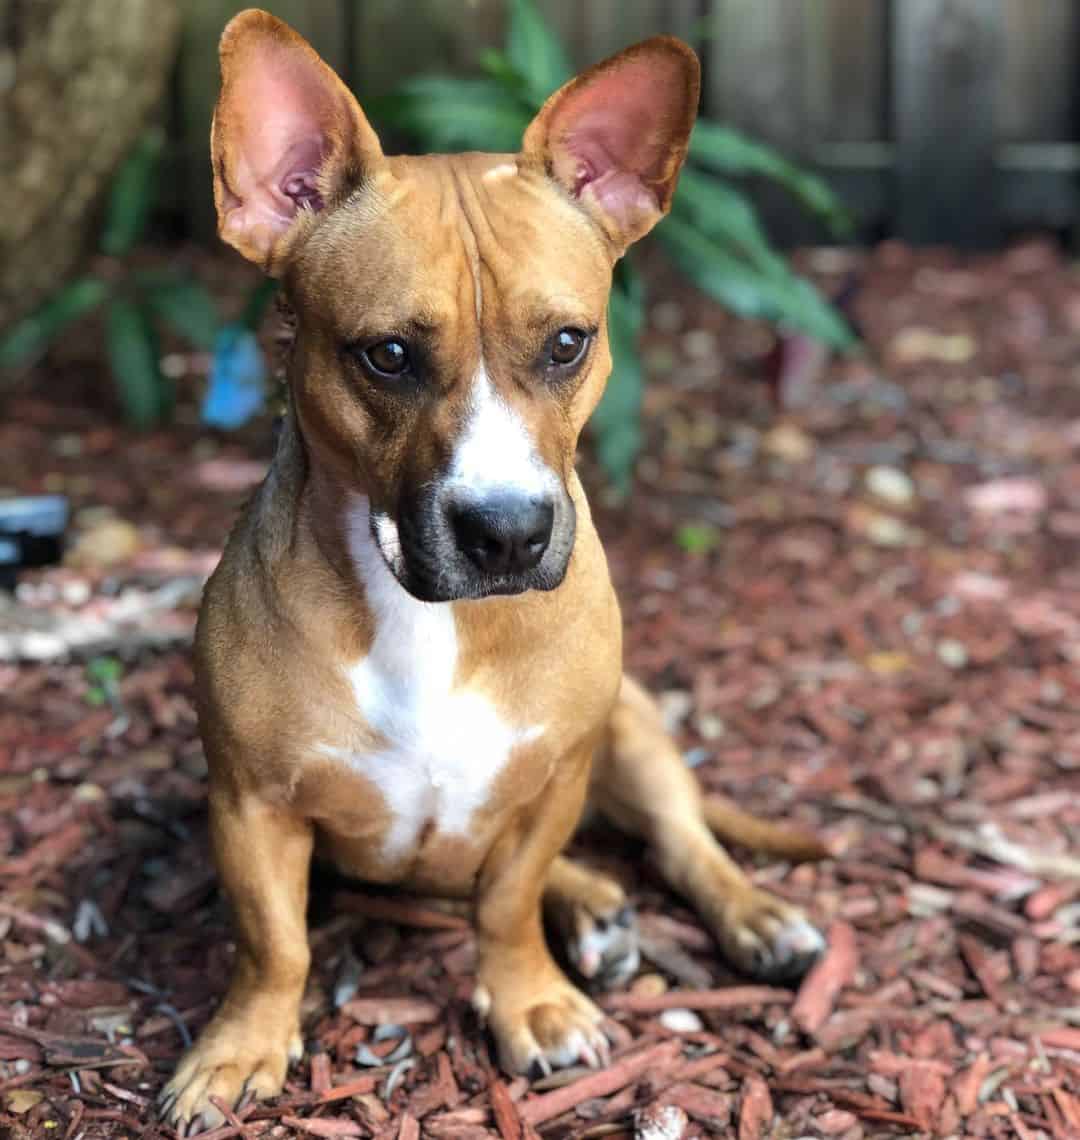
784, 840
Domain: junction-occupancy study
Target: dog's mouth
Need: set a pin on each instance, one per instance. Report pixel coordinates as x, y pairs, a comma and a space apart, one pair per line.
427, 559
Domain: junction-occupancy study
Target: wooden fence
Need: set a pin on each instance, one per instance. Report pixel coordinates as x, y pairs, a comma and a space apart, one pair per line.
938, 120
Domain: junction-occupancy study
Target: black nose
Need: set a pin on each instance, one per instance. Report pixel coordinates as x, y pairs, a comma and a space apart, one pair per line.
505, 534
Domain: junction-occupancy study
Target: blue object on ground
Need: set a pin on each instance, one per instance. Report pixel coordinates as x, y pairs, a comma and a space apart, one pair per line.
237, 390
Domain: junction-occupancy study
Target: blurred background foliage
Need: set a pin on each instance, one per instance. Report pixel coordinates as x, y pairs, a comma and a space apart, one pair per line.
857, 89
713, 235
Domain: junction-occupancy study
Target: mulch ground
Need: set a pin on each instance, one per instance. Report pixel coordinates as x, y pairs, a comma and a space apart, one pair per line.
862, 613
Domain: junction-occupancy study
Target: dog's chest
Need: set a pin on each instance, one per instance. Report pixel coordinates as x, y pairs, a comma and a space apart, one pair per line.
442, 746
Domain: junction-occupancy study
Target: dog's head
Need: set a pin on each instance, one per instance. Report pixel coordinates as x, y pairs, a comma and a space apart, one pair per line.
451, 339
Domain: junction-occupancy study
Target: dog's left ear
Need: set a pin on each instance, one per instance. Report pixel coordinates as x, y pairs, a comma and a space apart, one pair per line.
616, 136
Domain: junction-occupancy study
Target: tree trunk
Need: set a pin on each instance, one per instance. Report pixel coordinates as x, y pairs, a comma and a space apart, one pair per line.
77, 81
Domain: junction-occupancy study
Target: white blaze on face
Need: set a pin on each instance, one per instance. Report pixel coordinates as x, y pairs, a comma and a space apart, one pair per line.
495, 451
444, 746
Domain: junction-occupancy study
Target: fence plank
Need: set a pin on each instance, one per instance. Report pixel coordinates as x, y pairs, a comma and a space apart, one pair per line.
946, 57
851, 71
1039, 91
757, 68
847, 102
760, 78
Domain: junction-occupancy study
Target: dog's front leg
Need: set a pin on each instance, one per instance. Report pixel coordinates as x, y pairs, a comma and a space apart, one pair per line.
538, 1018
263, 857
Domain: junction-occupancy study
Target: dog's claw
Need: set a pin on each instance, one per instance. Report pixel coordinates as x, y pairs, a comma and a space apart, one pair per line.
538, 1069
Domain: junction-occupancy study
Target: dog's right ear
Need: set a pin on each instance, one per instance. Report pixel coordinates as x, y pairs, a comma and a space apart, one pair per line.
287, 136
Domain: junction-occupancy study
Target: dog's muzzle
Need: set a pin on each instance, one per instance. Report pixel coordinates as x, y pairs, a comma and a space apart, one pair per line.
456, 544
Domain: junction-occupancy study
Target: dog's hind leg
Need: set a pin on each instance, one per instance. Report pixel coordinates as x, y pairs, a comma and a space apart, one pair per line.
642, 785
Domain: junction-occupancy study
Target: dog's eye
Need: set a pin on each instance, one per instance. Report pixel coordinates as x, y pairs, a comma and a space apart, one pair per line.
387, 358
568, 347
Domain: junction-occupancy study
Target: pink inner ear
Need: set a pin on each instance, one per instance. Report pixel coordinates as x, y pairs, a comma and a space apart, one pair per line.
612, 136
300, 183
281, 113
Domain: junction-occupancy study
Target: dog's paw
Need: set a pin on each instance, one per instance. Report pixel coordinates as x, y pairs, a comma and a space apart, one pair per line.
601, 944
769, 939
593, 927
543, 1025
233, 1062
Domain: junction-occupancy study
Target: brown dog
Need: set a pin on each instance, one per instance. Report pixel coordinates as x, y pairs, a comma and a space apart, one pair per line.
409, 659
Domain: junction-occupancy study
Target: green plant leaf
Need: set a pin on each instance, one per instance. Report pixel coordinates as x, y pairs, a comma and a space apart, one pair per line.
534, 51
496, 65
697, 538
104, 670
729, 152
188, 308
33, 334
131, 197
133, 358
616, 423
745, 290
727, 216
444, 113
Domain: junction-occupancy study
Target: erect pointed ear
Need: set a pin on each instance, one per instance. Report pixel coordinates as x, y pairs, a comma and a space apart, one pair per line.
616, 136
287, 136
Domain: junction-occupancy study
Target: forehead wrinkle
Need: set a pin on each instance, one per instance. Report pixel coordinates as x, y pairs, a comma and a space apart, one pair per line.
466, 227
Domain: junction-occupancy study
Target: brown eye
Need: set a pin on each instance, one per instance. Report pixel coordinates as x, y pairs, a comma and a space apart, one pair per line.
387, 358
568, 346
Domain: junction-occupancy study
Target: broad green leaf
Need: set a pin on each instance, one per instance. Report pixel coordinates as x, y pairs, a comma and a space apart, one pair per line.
723, 149
444, 113
747, 291
131, 197
188, 309
504, 73
133, 358
33, 334
616, 423
725, 215
534, 51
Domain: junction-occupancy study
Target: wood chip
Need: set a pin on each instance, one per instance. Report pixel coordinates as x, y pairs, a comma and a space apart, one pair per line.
503, 1109
624, 1071
822, 985
755, 1110
391, 1011
734, 997
329, 1127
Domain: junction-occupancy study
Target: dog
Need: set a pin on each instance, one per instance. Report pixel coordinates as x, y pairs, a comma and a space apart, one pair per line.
409, 658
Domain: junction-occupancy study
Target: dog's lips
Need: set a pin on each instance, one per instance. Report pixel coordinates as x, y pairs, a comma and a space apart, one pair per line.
423, 578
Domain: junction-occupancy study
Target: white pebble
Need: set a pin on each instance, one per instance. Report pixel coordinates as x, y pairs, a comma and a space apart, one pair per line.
952, 653
681, 1021
891, 485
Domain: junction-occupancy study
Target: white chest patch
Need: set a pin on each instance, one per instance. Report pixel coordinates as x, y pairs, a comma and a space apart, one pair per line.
444, 746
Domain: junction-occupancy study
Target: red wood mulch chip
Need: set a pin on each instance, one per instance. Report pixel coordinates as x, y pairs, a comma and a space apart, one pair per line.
862, 614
